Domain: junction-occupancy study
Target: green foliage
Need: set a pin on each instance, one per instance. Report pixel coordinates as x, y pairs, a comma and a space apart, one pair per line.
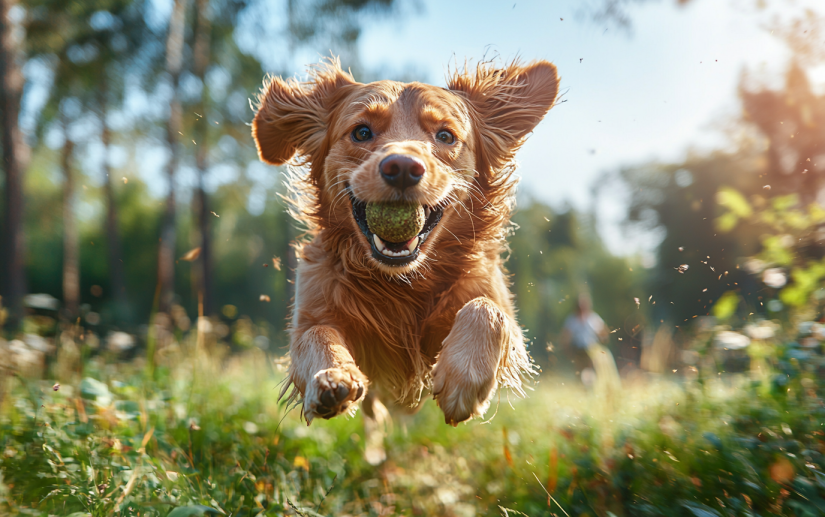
805, 281
726, 305
737, 208
790, 248
209, 436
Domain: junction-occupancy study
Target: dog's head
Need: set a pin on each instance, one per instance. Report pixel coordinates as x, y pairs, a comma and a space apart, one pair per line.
390, 141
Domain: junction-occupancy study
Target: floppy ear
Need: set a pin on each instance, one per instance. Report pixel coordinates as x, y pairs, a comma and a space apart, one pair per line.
507, 104
292, 116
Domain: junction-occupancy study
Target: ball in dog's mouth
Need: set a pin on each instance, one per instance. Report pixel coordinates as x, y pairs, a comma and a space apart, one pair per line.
395, 230
395, 221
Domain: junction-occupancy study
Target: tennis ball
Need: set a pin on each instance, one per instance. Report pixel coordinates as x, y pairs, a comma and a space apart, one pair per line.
395, 221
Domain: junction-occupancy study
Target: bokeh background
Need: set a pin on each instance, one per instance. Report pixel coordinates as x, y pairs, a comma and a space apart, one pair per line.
678, 181
127, 146
131, 146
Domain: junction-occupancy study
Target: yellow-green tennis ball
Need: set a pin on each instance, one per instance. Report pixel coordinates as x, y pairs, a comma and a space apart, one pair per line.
395, 221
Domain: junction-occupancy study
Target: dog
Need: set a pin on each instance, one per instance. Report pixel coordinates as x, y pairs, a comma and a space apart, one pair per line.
434, 312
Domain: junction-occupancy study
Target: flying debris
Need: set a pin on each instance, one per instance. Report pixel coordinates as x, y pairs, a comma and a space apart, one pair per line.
192, 255
682, 268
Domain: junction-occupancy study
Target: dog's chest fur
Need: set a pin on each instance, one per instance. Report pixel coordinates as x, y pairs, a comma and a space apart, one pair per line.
393, 329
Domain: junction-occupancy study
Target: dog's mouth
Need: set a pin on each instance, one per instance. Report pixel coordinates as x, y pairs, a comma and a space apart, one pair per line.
395, 253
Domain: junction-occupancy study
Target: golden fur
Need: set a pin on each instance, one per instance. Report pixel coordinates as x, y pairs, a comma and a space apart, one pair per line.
445, 320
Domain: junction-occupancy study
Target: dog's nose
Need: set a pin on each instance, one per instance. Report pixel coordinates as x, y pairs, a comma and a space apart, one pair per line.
401, 171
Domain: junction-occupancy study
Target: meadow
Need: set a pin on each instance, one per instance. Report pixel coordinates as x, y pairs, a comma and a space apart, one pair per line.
203, 433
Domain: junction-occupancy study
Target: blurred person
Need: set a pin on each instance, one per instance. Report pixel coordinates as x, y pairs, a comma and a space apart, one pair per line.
583, 331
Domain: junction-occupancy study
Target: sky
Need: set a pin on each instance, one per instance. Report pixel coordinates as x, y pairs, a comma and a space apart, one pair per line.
629, 97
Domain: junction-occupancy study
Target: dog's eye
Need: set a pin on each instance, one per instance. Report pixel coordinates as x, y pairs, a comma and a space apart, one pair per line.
361, 134
445, 137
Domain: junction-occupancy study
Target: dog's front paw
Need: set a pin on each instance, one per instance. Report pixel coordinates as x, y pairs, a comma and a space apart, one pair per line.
462, 397
334, 391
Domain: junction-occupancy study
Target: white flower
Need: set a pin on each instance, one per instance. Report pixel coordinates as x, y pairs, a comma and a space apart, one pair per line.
761, 330
120, 341
774, 277
731, 340
754, 266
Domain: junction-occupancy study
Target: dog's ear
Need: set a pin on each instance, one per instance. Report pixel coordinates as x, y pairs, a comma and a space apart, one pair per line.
507, 104
292, 117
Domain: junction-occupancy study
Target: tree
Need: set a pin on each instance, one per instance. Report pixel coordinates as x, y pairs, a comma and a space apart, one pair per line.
792, 119
12, 245
92, 50
203, 36
114, 254
71, 252
174, 125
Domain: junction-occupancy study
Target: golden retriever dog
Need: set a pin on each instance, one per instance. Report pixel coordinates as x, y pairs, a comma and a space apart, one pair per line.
433, 312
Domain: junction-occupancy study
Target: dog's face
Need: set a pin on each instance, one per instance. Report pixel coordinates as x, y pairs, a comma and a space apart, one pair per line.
390, 141
398, 142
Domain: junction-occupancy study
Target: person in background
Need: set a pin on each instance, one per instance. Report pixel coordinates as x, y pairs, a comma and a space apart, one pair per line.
583, 330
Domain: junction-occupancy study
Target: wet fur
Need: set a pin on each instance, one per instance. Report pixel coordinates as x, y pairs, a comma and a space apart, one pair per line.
447, 320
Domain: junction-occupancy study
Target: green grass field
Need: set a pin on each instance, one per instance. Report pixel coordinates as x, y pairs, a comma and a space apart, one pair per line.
209, 437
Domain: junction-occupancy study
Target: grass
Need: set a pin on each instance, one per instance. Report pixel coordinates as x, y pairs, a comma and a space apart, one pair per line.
208, 436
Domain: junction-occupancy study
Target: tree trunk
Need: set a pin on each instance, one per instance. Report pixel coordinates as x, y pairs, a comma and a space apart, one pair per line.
12, 245
115, 258
174, 126
71, 258
201, 207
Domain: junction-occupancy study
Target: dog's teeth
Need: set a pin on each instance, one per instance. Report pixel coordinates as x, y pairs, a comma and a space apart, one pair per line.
390, 253
424, 237
427, 212
378, 243
412, 244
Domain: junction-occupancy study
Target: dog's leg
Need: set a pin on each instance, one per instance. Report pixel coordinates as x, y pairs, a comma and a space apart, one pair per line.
483, 349
324, 373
